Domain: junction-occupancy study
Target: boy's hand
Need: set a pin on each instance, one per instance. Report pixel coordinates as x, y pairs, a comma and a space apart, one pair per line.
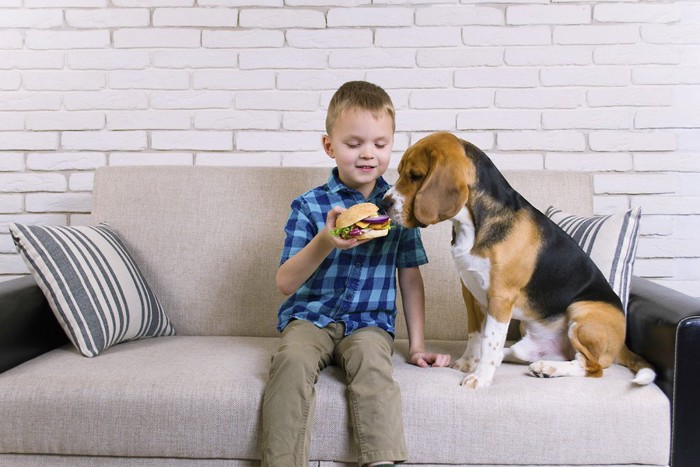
338, 242
428, 359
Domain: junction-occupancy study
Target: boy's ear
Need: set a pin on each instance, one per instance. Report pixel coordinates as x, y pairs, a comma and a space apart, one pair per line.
326, 141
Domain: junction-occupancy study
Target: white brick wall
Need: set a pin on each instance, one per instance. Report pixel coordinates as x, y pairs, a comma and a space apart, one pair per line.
609, 87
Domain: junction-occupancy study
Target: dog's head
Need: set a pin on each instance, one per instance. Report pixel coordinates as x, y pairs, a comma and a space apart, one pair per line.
434, 179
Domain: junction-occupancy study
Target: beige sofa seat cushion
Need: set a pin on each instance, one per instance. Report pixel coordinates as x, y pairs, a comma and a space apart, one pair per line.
199, 397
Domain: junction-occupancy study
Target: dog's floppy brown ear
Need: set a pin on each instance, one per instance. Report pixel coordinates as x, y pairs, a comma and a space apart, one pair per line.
445, 190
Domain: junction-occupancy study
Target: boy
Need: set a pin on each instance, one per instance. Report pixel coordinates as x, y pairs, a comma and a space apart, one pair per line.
342, 306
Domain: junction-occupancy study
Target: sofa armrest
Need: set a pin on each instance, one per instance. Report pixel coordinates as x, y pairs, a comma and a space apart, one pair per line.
663, 326
28, 327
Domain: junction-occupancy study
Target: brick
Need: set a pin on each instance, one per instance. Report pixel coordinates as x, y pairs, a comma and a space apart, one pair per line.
35, 19
590, 162
330, 38
314, 80
236, 120
596, 34
234, 79
149, 79
7, 245
192, 139
31, 59
81, 182
677, 162
667, 247
637, 96
257, 3
635, 183
551, 55
657, 225
152, 3
517, 161
12, 264
108, 18
548, 14
540, 98
30, 101
497, 77
451, 98
372, 58
11, 40
104, 140
191, 99
199, 58
203, 17
258, 159
413, 37
671, 34
277, 100
65, 121
653, 267
281, 18
461, 57
11, 162
18, 140
10, 80
585, 118
65, 3
47, 219
418, 79
144, 158
11, 204
63, 80
636, 13
667, 118
377, 16
30, 182
304, 121
149, 120
11, 121
105, 100
278, 141
559, 140
461, 15
108, 59
429, 120
632, 141
57, 161
636, 55
255, 38
502, 35
498, 119
283, 58
156, 37
689, 184
59, 202
666, 75
610, 204
585, 76
67, 39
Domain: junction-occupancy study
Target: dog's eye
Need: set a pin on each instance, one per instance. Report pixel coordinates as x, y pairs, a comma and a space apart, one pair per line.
414, 176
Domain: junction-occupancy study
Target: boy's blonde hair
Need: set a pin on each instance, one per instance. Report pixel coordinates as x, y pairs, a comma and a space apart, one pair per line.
359, 95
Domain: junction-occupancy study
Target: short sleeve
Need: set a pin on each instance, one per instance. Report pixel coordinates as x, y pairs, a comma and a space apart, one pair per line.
411, 252
299, 230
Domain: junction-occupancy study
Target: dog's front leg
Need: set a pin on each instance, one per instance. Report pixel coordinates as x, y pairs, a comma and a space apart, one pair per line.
493, 340
475, 327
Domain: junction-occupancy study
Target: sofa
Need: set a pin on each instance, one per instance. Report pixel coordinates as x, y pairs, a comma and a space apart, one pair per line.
207, 239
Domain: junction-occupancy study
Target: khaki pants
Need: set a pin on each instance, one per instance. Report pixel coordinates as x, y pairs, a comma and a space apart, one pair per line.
373, 396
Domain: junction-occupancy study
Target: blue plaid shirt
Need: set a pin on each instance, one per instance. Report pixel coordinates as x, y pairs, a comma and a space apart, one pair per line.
357, 286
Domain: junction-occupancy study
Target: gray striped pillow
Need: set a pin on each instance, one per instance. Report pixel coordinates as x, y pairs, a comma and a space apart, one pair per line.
92, 284
610, 241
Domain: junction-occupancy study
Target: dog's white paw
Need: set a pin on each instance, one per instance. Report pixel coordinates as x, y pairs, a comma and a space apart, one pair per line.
543, 369
467, 365
472, 381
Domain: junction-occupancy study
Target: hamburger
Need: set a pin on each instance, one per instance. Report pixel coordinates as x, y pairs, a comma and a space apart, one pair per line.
361, 221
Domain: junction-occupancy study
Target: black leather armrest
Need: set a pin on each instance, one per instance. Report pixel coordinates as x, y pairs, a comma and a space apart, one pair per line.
663, 326
28, 327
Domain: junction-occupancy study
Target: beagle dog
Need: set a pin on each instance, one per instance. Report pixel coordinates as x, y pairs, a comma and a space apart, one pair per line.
517, 264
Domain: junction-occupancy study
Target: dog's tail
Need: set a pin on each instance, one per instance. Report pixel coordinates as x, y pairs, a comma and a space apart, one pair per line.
644, 373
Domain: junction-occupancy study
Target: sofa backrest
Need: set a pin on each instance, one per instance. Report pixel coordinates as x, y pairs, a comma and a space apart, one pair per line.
208, 239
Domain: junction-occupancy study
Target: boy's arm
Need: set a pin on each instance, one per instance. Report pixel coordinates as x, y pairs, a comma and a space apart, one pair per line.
297, 269
413, 296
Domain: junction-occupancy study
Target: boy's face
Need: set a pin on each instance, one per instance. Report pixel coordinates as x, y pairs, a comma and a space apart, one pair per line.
361, 146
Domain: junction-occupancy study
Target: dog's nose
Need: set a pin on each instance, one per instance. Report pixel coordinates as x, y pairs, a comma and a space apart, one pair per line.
387, 202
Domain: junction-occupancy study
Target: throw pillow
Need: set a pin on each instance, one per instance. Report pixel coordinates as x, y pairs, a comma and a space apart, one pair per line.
610, 241
92, 284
